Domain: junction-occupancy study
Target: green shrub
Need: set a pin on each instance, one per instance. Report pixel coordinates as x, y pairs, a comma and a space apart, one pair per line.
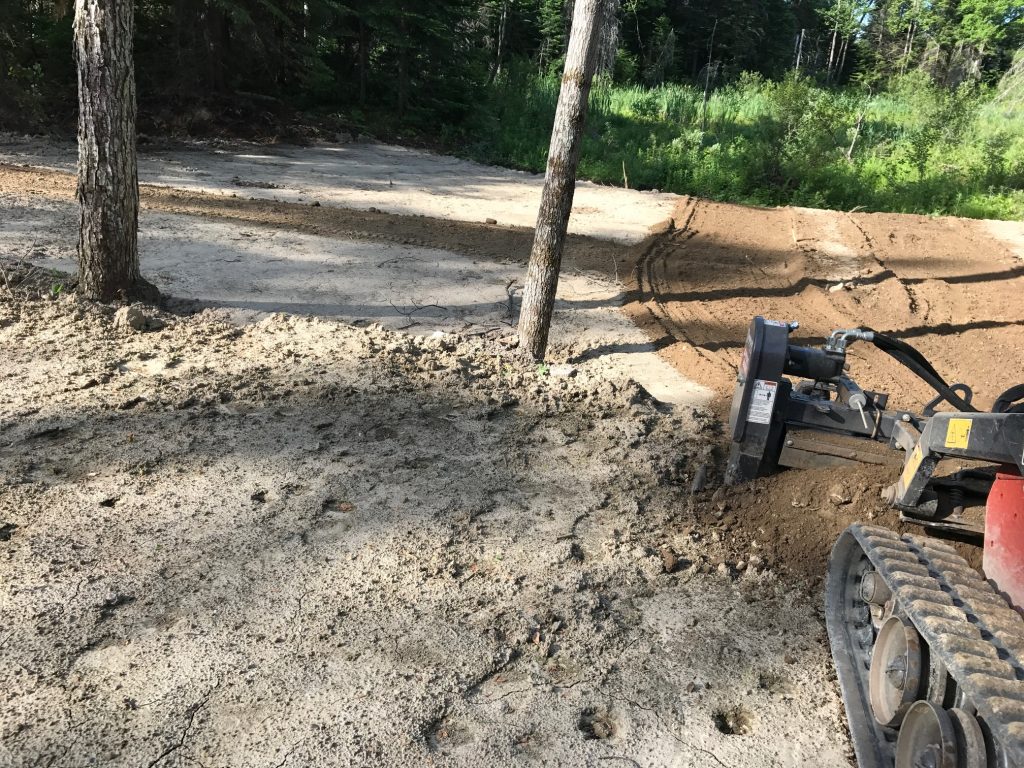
918, 148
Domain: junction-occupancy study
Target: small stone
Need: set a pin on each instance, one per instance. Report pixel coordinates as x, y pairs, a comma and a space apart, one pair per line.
490, 221
691, 687
839, 494
562, 371
669, 560
129, 319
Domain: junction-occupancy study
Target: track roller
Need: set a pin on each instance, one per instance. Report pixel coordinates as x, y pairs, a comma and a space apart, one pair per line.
932, 737
894, 682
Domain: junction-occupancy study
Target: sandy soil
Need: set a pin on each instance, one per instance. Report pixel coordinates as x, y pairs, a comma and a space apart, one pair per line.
406, 272
363, 176
300, 542
248, 538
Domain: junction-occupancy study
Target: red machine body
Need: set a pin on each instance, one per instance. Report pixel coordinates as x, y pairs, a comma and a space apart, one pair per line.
1003, 561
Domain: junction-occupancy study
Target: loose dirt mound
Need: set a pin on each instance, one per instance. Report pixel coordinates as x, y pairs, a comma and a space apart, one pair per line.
302, 543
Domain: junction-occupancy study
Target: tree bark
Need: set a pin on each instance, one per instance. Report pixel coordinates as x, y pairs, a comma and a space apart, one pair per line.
707, 81
560, 181
403, 66
500, 55
108, 186
831, 54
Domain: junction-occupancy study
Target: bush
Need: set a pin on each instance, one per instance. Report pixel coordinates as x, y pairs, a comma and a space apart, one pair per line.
918, 148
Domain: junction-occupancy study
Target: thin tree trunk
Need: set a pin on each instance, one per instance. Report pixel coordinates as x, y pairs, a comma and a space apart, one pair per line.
856, 135
108, 186
707, 81
364, 44
500, 54
799, 50
403, 66
560, 181
179, 47
907, 48
831, 54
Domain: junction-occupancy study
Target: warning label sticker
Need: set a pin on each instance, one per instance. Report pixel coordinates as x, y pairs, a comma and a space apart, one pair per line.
762, 401
958, 433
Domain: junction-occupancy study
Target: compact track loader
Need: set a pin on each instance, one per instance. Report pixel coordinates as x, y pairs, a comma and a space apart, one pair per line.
929, 652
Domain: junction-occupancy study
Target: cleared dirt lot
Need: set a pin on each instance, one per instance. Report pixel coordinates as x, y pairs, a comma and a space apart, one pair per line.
251, 539
951, 287
304, 543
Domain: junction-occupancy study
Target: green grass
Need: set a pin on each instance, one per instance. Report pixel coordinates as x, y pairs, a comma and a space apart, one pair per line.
919, 149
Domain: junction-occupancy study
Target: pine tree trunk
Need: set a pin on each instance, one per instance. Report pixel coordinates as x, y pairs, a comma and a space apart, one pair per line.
403, 66
108, 187
560, 181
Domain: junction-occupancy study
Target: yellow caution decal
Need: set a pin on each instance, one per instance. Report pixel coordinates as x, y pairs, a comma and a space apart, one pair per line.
958, 433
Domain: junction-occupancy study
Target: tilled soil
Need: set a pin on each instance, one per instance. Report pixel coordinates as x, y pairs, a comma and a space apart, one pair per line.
302, 543
945, 285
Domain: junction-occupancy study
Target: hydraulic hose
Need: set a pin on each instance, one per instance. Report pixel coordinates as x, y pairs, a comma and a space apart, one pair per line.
918, 364
1005, 402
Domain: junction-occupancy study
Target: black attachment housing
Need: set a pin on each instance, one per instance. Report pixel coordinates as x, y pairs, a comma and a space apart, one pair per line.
754, 424
774, 422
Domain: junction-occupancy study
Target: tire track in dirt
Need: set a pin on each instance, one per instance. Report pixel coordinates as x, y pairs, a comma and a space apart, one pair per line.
649, 277
944, 284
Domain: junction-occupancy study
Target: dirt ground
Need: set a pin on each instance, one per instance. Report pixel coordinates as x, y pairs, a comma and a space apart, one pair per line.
951, 287
300, 542
412, 273
365, 533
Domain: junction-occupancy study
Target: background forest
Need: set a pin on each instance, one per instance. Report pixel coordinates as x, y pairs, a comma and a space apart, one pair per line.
906, 105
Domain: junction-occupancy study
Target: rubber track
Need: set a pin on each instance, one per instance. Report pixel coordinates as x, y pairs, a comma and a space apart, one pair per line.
965, 622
